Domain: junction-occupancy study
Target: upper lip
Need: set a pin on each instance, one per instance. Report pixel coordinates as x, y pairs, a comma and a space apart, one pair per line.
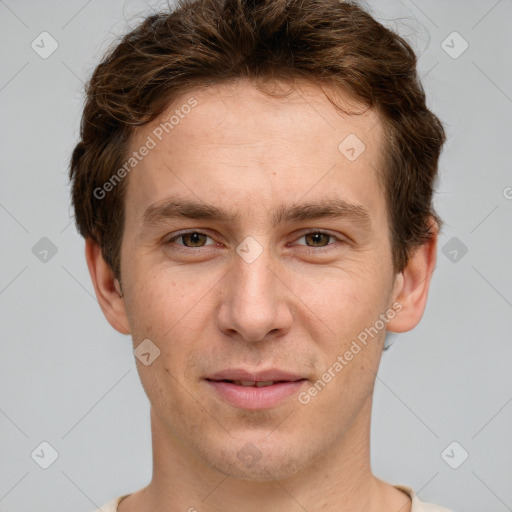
250, 376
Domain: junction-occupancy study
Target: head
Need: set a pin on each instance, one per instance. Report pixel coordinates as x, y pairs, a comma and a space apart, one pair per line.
294, 140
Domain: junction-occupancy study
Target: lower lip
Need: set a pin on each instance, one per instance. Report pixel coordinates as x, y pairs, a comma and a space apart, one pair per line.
250, 397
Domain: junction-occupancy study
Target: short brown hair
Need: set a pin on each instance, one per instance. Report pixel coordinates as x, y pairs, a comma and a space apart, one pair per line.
205, 42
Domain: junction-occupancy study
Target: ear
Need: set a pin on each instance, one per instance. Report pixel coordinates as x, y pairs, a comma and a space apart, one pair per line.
107, 288
412, 284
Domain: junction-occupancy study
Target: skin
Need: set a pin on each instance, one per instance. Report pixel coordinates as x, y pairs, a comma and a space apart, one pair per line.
207, 309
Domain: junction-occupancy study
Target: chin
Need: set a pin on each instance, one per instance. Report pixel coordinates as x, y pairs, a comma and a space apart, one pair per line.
263, 471
259, 461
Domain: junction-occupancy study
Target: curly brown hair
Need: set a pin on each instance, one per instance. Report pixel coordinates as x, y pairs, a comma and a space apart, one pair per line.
204, 42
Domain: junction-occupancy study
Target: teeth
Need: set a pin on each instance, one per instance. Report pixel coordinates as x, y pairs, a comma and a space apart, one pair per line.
263, 384
248, 383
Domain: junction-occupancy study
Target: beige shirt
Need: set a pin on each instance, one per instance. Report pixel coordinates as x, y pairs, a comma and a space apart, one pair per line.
417, 505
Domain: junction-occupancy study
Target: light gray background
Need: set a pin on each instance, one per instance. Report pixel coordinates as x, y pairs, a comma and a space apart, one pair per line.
69, 379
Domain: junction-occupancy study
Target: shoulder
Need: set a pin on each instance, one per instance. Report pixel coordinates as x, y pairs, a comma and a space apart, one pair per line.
417, 504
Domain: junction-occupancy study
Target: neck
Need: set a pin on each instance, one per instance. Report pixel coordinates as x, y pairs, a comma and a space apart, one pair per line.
339, 480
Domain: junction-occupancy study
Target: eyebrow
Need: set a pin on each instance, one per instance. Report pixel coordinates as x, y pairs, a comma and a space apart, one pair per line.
174, 208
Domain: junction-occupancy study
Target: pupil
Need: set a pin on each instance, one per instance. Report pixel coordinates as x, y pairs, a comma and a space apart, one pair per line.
194, 237
317, 237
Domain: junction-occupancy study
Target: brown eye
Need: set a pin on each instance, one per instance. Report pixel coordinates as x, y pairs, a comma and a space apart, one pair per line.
190, 239
195, 239
318, 239
319, 242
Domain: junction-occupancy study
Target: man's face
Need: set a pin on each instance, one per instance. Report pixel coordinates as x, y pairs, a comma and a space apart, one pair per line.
258, 293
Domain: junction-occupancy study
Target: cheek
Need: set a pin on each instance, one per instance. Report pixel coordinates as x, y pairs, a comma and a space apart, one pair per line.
346, 300
173, 308
159, 299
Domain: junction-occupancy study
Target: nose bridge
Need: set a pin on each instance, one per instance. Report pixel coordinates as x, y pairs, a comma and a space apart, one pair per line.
253, 269
254, 300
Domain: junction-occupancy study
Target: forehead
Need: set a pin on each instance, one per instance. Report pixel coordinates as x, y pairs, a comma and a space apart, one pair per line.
272, 110
235, 141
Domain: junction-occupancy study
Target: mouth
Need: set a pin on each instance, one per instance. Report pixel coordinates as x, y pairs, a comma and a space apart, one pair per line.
251, 390
252, 383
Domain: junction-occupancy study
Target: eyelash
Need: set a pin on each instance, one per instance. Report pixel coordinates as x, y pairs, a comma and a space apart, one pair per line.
317, 250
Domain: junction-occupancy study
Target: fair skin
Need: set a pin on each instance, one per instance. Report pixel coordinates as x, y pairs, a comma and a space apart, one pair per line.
296, 307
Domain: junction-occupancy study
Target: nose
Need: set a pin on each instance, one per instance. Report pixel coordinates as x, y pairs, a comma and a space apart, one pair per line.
257, 302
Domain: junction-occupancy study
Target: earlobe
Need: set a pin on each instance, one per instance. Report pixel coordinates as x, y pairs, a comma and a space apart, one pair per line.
412, 285
108, 290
